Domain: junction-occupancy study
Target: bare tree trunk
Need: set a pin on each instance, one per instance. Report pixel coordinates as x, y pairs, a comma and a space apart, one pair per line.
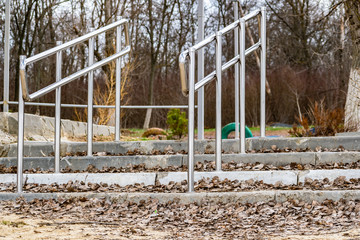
156, 35
352, 107
341, 84
147, 118
151, 98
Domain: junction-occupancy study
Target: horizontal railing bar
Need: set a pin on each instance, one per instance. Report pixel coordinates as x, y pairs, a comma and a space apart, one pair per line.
251, 15
230, 27
205, 81
78, 74
101, 106
252, 48
204, 42
212, 75
230, 63
78, 40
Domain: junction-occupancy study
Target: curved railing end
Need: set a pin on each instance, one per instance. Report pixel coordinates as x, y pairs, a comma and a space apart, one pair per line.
24, 86
183, 74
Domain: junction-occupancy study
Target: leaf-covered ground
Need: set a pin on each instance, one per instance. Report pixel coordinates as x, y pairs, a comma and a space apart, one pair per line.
83, 218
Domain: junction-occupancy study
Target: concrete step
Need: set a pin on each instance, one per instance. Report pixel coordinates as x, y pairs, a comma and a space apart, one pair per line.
277, 196
163, 161
41, 149
286, 177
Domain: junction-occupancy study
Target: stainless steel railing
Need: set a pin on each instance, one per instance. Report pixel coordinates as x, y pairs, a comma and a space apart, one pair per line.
24, 94
189, 87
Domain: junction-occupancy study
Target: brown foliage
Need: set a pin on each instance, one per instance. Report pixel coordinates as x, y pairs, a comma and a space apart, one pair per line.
327, 122
104, 94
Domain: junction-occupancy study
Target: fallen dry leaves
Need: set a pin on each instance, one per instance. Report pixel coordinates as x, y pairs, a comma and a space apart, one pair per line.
205, 166
204, 185
175, 220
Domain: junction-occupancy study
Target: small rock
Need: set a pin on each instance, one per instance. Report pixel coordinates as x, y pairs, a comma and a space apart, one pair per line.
278, 184
258, 167
100, 154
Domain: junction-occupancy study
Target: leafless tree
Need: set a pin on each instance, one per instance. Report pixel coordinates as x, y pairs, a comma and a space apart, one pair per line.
352, 108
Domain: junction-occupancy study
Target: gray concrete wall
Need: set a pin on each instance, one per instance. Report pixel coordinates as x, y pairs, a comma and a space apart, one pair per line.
41, 128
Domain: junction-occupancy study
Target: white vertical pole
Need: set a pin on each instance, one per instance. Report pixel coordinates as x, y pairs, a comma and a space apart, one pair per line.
242, 85
57, 139
263, 72
90, 99
201, 91
218, 100
118, 85
236, 51
191, 117
7, 56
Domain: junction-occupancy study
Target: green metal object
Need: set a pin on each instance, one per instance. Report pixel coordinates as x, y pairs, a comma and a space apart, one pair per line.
231, 128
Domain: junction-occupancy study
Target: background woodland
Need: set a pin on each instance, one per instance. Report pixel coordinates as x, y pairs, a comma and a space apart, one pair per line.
308, 56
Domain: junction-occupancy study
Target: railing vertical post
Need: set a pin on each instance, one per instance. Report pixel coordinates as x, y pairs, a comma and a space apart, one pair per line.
236, 50
218, 100
201, 91
21, 119
90, 99
242, 86
191, 117
57, 139
7, 57
263, 72
118, 86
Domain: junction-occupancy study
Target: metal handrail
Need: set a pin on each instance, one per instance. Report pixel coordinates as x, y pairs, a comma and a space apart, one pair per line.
253, 14
98, 106
182, 61
76, 75
26, 61
25, 96
185, 55
204, 42
80, 40
189, 87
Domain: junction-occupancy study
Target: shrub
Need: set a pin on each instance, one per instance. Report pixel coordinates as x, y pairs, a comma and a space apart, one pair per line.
303, 131
326, 122
177, 122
